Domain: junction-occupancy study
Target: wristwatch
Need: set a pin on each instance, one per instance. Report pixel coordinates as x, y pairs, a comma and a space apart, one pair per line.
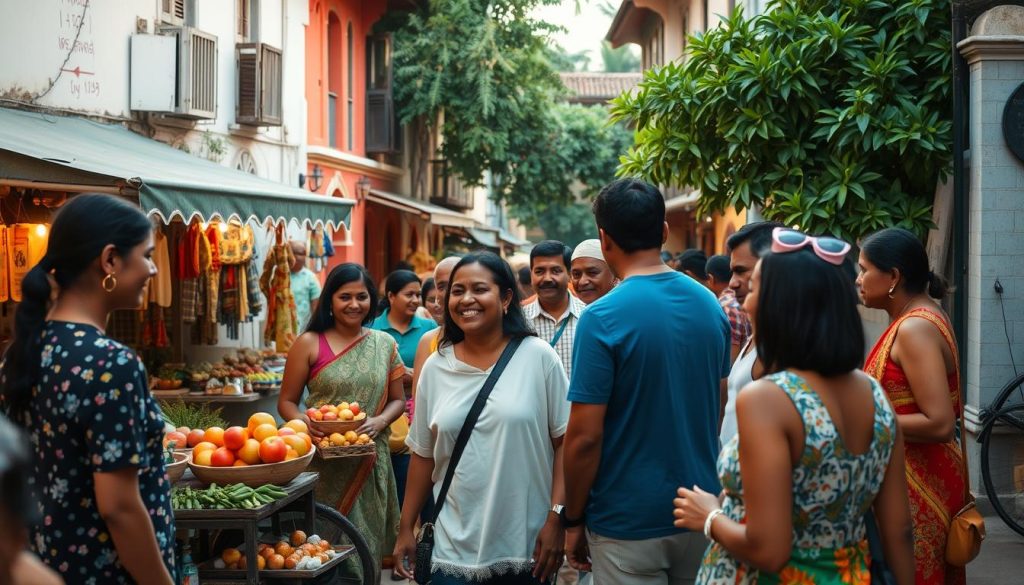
557, 509
570, 522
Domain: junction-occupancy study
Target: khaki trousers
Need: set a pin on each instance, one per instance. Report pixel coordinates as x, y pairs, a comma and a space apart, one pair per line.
670, 560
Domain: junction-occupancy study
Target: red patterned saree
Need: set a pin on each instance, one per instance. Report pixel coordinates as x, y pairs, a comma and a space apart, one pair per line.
934, 470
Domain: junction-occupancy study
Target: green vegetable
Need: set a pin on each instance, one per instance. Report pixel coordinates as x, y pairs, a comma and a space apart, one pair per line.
228, 497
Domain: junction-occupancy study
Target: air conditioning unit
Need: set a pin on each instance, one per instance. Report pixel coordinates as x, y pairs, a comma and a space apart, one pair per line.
260, 79
172, 12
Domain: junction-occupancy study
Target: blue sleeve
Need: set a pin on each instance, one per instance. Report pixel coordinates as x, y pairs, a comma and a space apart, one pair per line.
593, 362
727, 349
314, 288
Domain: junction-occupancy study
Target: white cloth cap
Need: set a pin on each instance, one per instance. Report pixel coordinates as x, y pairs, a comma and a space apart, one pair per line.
588, 249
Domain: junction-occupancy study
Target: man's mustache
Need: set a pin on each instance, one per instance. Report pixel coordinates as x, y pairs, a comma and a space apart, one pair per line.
548, 285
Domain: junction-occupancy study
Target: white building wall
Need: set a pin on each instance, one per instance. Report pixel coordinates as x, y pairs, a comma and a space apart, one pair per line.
37, 36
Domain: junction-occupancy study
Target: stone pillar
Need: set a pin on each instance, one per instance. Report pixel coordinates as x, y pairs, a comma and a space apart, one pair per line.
995, 54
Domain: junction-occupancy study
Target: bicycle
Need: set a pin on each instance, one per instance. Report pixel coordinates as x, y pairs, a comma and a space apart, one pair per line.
1004, 484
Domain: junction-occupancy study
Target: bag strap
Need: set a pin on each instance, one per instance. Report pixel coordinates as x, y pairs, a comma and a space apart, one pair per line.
561, 330
471, 418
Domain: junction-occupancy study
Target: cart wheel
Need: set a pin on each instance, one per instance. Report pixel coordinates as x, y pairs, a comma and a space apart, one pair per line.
330, 525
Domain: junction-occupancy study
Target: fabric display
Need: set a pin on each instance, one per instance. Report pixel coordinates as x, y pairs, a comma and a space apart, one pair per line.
318, 249
5, 284
275, 282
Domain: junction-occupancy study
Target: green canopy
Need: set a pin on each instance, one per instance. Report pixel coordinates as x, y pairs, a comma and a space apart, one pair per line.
44, 148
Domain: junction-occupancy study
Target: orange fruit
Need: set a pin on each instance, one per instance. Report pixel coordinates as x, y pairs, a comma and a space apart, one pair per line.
298, 444
298, 425
203, 446
214, 435
264, 431
346, 414
290, 454
202, 457
306, 438
239, 463
261, 563
351, 436
231, 555
298, 538
250, 452
260, 418
337, 438
284, 549
276, 562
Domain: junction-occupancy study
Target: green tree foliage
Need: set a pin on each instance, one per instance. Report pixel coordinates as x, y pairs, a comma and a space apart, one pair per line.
621, 60
487, 68
833, 115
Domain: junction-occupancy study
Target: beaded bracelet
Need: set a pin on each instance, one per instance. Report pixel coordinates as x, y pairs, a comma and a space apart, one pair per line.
707, 522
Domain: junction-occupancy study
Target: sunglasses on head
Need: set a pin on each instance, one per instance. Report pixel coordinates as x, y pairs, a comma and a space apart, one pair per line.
829, 249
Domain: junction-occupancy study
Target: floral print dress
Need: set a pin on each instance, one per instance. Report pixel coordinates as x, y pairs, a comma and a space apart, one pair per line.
92, 412
832, 489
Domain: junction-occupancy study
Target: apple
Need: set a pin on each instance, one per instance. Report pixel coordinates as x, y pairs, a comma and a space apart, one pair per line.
195, 437
346, 414
314, 414
235, 437
222, 457
263, 431
354, 407
327, 408
203, 457
273, 450
250, 452
297, 443
285, 431
330, 416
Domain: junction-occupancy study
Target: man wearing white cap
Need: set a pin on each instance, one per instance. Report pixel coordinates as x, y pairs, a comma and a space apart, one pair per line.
590, 275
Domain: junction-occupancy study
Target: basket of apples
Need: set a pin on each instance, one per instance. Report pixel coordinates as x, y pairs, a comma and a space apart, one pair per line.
340, 418
255, 455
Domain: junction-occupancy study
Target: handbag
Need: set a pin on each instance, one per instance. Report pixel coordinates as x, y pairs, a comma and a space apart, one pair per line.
879, 569
425, 546
967, 529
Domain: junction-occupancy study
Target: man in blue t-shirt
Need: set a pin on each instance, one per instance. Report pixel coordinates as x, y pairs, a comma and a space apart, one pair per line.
646, 400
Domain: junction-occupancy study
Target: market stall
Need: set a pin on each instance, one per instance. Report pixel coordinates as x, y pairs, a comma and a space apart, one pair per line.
222, 291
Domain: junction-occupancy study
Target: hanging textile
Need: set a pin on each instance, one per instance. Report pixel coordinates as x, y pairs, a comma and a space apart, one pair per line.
160, 291
25, 247
236, 244
275, 282
252, 278
5, 285
229, 316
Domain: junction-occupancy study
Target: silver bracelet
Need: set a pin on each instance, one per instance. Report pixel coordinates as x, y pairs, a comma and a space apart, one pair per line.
707, 522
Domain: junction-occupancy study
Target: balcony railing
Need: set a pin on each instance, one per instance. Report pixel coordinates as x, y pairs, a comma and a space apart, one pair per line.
447, 189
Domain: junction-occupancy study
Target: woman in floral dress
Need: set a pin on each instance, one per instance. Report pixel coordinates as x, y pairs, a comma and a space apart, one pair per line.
818, 446
83, 398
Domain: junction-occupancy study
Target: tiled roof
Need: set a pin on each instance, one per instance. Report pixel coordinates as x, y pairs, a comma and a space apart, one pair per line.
592, 88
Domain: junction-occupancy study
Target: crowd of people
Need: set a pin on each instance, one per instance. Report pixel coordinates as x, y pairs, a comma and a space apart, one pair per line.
709, 421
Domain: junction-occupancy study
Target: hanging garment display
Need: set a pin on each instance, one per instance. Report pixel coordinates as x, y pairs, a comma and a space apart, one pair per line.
236, 244
275, 282
5, 284
160, 286
229, 310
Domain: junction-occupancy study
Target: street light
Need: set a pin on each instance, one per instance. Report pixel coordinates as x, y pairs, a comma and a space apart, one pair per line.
363, 186
316, 179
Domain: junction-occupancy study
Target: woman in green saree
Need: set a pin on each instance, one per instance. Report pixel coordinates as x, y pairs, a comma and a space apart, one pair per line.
339, 360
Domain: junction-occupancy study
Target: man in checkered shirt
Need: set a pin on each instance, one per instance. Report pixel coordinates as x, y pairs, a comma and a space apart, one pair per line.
554, 313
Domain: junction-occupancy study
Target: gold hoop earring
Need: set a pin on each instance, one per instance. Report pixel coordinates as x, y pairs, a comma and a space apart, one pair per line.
109, 282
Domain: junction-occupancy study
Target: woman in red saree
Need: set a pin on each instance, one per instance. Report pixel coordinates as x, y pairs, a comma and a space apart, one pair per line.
339, 360
916, 362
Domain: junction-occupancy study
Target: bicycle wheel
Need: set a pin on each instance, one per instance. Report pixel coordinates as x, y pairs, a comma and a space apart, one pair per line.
1002, 464
331, 525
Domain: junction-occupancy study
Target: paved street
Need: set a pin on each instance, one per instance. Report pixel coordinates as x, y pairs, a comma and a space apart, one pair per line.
1002, 556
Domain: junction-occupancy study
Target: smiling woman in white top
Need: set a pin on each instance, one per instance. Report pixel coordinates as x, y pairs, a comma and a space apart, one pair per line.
497, 524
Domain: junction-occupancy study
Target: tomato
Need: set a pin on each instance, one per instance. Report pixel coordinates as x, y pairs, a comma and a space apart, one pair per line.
222, 457
180, 441
273, 450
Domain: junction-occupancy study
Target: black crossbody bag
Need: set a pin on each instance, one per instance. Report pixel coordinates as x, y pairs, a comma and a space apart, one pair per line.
425, 546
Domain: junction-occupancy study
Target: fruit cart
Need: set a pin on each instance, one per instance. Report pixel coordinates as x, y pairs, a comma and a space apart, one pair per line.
297, 508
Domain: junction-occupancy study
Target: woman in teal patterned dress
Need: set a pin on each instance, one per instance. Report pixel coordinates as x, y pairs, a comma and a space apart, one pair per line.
818, 445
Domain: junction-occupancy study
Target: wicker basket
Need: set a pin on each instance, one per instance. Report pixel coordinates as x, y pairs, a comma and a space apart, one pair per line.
328, 427
177, 469
335, 452
253, 475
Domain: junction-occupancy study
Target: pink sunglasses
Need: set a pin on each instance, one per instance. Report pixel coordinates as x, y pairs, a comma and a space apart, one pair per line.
827, 248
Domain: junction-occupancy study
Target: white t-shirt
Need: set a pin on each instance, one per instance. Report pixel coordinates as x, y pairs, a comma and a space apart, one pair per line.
740, 375
501, 492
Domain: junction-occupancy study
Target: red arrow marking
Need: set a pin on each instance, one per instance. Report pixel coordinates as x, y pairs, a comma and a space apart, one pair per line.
78, 71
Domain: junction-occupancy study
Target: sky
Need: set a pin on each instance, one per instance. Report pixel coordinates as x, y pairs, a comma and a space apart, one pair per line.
585, 28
